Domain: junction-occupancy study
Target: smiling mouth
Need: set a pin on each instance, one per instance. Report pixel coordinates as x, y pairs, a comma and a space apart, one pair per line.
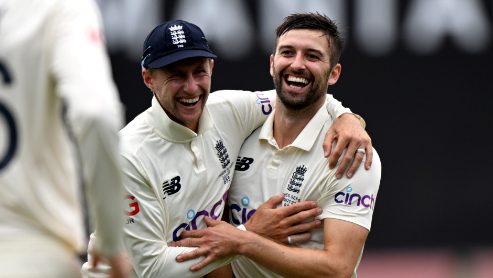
189, 101
296, 82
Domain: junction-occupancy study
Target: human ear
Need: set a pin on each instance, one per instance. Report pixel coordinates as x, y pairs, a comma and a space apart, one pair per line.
147, 76
334, 74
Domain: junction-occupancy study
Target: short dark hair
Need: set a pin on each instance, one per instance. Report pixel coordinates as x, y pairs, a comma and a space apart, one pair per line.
314, 21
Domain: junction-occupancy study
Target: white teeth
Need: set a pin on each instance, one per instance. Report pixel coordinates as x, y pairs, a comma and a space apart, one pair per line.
189, 100
294, 87
298, 79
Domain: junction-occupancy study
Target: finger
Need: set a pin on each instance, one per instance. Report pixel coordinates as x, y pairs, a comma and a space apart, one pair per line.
330, 137
273, 201
300, 238
355, 142
355, 165
188, 242
201, 264
192, 254
337, 152
211, 222
303, 215
369, 156
296, 208
192, 233
303, 227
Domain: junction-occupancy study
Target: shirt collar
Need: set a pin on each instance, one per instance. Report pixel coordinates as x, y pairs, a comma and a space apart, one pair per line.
308, 135
169, 130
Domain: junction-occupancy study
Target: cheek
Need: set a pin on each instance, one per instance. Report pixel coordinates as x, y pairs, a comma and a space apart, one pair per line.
205, 83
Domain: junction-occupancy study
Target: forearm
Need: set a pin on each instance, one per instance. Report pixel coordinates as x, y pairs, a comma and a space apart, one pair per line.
102, 174
293, 262
158, 263
162, 263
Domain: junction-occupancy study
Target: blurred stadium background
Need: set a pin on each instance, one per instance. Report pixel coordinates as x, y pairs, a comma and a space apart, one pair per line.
421, 74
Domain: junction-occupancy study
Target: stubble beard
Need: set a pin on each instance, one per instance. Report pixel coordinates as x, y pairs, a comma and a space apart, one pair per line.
316, 91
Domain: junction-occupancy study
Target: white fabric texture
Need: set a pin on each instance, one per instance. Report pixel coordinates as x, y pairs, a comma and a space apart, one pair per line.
195, 171
301, 172
54, 52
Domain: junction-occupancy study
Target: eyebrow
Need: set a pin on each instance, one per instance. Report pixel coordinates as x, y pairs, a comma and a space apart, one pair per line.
309, 49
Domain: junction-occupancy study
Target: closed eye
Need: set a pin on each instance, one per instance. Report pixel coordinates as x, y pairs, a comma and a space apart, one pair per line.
286, 52
313, 57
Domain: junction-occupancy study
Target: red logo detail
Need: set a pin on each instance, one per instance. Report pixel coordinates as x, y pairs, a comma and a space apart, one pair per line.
133, 205
95, 36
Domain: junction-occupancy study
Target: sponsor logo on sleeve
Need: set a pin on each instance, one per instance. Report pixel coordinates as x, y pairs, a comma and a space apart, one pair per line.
193, 216
265, 102
244, 212
131, 209
243, 163
356, 199
133, 206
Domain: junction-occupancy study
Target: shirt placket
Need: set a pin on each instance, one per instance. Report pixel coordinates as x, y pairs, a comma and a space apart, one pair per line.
195, 146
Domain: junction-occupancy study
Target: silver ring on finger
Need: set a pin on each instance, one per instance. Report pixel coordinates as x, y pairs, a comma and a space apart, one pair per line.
361, 151
289, 239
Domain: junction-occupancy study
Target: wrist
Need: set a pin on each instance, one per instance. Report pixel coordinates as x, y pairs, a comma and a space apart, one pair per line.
360, 119
245, 241
246, 226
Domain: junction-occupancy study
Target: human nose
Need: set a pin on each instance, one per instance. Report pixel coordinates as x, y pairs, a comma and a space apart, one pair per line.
190, 84
298, 62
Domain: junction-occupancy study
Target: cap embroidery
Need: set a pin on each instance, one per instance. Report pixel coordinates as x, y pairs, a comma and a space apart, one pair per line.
177, 35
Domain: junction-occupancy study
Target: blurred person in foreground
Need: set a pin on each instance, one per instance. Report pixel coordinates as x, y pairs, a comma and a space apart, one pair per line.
180, 154
59, 118
285, 158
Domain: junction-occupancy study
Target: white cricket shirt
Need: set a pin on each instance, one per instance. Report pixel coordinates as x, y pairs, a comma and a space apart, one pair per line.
301, 172
174, 176
52, 54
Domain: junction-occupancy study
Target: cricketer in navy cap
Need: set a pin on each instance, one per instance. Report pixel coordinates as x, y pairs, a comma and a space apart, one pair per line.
173, 41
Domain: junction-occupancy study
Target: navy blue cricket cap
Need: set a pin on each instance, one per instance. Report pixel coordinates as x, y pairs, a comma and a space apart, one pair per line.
173, 41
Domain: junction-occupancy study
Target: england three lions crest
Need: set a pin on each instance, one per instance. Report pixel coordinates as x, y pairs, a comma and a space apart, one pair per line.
297, 179
177, 35
222, 154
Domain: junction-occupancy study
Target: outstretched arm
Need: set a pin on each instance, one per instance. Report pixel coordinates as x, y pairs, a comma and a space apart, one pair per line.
346, 227
343, 244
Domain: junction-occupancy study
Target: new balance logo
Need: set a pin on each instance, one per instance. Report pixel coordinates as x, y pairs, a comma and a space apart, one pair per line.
243, 164
171, 187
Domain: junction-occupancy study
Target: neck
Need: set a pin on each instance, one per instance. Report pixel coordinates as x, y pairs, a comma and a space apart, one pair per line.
289, 123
